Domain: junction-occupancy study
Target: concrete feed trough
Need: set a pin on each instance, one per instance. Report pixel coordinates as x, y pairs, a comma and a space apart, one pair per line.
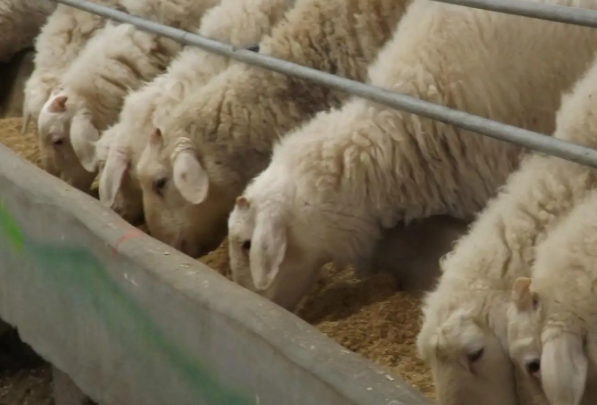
132, 321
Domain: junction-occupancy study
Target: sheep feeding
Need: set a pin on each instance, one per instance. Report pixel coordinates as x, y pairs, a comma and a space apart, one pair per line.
576, 122
370, 317
552, 314
465, 318
335, 184
240, 23
60, 40
351, 297
91, 94
244, 110
119, 59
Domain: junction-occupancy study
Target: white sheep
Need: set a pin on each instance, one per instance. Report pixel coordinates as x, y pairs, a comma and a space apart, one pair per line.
576, 122
20, 22
552, 316
223, 134
330, 198
60, 40
117, 60
464, 335
337, 182
240, 23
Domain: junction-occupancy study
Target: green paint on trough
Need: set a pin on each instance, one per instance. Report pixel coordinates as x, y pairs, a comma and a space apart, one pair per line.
68, 266
10, 229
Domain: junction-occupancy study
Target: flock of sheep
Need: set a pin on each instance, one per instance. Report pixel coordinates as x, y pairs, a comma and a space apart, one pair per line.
200, 146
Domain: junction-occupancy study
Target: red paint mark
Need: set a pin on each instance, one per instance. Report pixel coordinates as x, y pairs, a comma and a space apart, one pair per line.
135, 233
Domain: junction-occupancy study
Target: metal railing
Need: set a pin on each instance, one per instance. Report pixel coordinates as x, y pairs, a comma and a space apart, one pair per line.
508, 133
542, 11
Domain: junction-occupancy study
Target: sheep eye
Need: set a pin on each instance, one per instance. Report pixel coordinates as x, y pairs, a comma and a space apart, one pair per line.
533, 367
58, 142
246, 245
159, 185
476, 355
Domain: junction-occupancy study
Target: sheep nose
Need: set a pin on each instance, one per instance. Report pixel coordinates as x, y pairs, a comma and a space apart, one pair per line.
533, 367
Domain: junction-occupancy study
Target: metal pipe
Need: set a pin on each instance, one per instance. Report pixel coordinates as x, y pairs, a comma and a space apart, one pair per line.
522, 137
542, 11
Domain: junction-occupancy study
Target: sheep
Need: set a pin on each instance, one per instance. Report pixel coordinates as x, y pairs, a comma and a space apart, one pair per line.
334, 184
464, 336
114, 62
578, 124
239, 23
60, 40
20, 22
91, 91
236, 117
551, 319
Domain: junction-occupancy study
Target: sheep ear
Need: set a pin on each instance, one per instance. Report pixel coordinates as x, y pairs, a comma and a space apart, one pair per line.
58, 104
268, 248
111, 177
189, 177
521, 294
564, 369
83, 136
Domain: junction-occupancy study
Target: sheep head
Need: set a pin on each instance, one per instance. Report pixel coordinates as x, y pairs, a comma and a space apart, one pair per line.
56, 150
459, 341
181, 206
270, 253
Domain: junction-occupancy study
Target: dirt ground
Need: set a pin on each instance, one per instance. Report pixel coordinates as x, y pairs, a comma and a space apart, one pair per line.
368, 317
25, 379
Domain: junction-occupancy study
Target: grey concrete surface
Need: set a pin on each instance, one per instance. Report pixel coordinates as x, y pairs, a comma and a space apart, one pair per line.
143, 324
